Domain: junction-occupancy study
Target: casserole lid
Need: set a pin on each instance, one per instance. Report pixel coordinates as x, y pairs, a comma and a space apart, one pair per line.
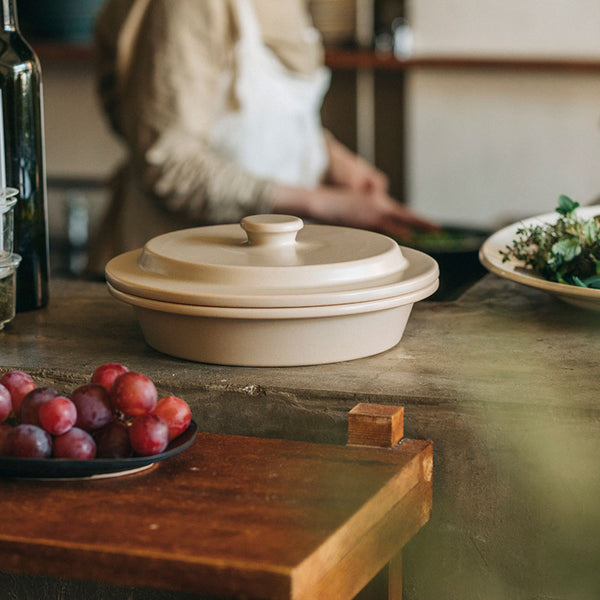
270, 261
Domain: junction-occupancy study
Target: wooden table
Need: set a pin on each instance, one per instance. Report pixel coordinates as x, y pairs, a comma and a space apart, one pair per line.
234, 516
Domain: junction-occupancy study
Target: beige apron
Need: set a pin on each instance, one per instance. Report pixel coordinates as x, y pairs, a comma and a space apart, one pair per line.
276, 133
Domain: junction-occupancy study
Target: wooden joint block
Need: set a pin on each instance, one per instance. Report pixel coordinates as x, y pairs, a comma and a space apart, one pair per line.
375, 425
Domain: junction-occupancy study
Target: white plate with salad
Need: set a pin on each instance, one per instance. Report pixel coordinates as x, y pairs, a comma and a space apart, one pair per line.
557, 252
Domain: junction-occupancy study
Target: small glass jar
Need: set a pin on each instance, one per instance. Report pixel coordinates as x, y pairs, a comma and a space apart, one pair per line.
8, 198
8, 288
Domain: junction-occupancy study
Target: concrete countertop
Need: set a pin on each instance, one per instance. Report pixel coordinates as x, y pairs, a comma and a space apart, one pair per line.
505, 381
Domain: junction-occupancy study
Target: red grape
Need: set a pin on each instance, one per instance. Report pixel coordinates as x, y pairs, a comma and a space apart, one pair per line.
57, 415
32, 402
149, 435
115, 415
133, 394
4, 431
176, 413
112, 441
76, 444
28, 441
18, 384
106, 374
5, 403
94, 409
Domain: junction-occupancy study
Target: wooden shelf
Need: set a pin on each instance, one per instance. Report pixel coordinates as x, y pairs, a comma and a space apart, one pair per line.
62, 52
367, 59
342, 58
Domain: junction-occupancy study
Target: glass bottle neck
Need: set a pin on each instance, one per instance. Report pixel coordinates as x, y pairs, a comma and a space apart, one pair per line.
8, 15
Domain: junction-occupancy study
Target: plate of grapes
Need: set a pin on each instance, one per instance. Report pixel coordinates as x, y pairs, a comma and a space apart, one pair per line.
114, 424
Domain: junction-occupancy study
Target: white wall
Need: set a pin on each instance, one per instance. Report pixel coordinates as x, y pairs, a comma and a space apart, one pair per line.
486, 147
78, 140
510, 27
79, 143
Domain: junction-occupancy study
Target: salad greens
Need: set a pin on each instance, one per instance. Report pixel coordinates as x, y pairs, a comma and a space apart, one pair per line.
567, 251
448, 239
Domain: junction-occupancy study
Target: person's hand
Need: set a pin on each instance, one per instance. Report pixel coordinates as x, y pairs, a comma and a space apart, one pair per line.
376, 211
354, 194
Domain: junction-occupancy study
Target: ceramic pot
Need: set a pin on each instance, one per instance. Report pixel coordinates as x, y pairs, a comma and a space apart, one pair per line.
272, 292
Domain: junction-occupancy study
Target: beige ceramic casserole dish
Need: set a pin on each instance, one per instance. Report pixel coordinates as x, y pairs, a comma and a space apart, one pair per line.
272, 291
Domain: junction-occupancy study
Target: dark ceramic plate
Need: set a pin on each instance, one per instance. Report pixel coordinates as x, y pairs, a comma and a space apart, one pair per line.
456, 251
58, 468
447, 240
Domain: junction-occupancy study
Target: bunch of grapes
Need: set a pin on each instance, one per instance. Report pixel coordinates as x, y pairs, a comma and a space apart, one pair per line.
116, 415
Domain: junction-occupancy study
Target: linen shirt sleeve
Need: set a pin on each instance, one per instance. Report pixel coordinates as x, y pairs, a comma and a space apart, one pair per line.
163, 105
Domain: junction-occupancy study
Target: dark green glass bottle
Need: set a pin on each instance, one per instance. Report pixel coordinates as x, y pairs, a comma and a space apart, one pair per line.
22, 157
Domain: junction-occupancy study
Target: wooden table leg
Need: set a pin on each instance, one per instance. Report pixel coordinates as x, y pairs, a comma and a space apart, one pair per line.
394, 577
382, 426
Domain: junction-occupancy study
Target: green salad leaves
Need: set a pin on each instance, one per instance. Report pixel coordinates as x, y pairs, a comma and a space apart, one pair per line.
567, 251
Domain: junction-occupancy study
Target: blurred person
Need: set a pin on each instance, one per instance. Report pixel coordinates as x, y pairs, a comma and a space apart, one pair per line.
218, 103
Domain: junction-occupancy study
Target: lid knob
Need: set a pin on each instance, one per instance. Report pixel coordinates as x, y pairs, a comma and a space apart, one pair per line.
271, 230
